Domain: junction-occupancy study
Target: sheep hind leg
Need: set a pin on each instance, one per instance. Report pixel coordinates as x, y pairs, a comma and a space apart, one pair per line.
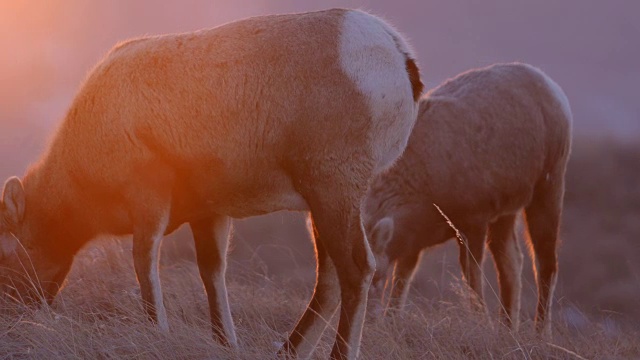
507, 255
339, 227
543, 221
321, 308
355, 266
402, 275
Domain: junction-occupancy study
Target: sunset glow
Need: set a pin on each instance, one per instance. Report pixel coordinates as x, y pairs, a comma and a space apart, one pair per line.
240, 186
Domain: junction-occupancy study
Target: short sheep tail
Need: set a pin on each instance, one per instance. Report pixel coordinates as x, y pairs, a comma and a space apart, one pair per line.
414, 77
410, 65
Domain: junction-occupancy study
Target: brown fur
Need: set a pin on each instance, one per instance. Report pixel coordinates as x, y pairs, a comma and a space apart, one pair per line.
487, 144
245, 119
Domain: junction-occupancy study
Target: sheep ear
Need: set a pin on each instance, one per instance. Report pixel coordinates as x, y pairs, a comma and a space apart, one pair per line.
14, 201
382, 234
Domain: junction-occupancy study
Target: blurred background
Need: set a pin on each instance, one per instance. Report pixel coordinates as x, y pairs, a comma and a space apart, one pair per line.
589, 47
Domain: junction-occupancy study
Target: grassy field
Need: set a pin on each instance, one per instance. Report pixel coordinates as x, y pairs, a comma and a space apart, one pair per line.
99, 316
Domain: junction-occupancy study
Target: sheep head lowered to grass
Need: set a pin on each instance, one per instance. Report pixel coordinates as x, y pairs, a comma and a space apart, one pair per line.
287, 112
487, 145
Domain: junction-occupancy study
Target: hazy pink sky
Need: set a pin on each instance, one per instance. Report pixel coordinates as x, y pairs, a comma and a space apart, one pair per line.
590, 47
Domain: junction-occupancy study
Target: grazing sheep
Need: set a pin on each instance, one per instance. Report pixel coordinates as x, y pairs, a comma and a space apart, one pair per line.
288, 112
487, 144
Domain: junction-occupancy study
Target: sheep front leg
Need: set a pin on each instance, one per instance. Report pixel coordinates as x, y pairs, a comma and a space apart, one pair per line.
402, 275
471, 257
147, 237
211, 237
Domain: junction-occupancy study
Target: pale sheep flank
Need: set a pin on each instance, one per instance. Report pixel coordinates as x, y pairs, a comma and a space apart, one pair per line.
287, 112
487, 145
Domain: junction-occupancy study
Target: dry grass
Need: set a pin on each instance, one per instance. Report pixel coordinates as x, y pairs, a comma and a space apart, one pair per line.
99, 315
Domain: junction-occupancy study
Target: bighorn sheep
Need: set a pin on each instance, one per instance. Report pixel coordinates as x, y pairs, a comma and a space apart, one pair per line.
286, 112
486, 144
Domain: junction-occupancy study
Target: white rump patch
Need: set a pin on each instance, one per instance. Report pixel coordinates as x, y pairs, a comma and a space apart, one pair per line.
372, 54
